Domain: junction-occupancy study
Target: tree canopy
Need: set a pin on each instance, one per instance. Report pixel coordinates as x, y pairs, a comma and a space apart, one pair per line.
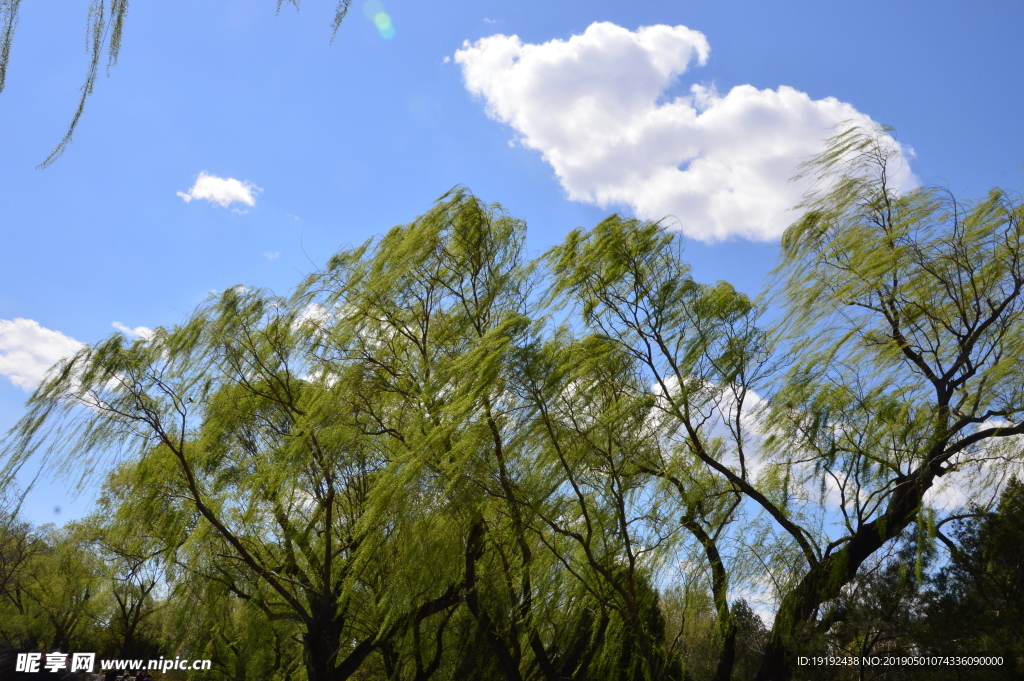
439, 458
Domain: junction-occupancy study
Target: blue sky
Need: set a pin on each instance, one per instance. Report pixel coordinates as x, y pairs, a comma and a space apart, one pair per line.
338, 142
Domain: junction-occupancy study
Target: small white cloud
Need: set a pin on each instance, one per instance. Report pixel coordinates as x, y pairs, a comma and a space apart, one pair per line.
28, 350
314, 314
142, 332
224, 191
599, 107
271, 255
490, 21
446, 59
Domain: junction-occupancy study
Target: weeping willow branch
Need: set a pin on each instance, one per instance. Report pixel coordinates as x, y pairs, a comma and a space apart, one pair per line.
103, 38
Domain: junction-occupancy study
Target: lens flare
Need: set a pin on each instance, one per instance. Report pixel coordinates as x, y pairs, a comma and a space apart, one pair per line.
374, 11
384, 25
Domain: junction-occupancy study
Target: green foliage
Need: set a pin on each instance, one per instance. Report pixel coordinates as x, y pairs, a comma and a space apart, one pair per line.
975, 606
53, 591
8, 23
439, 459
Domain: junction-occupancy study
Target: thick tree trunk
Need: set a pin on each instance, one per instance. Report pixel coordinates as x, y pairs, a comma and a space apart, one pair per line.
728, 657
323, 640
825, 580
324, 650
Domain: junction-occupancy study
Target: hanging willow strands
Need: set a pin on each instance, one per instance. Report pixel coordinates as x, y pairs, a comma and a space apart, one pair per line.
106, 20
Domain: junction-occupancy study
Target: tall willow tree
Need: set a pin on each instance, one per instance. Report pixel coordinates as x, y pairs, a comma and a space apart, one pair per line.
700, 349
403, 463
905, 330
307, 453
254, 472
904, 341
434, 314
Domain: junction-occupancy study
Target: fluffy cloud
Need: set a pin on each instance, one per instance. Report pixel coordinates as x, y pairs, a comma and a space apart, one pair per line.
143, 332
597, 108
223, 191
28, 350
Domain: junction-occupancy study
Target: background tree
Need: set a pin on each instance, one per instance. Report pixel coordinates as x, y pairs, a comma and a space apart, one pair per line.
20, 545
204, 619
880, 612
133, 582
975, 604
55, 597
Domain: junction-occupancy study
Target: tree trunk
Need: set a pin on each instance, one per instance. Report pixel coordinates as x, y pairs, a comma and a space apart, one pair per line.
720, 592
825, 580
728, 657
474, 551
322, 639
323, 648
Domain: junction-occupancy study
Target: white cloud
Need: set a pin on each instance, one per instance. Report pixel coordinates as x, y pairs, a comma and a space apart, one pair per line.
981, 474
598, 109
271, 255
142, 332
224, 191
314, 316
28, 350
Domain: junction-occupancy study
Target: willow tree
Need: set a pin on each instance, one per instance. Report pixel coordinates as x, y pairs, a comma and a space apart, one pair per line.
436, 311
695, 353
252, 471
56, 596
905, 329
270, 445
896, 365
604, 519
